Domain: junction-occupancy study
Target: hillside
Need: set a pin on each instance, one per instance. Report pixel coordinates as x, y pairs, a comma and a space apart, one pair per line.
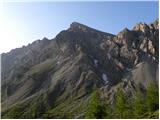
56, 78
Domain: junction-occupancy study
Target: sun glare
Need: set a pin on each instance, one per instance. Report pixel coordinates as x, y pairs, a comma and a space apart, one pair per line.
9, 37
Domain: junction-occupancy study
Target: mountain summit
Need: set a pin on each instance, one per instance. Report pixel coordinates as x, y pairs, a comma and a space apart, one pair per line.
76, 25
55, 78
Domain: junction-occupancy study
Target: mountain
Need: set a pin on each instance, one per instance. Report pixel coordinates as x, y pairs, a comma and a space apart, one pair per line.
48, 78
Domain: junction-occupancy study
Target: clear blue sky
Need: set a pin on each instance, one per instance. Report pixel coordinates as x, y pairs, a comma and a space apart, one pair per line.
35, 20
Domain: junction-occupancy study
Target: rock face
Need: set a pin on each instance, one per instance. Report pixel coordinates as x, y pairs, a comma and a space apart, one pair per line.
49, 73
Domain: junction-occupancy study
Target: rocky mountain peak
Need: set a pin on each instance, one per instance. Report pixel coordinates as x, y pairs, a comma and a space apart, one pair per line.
145, 27
45, 38
78, 26
140, 27
156, 23
124, 31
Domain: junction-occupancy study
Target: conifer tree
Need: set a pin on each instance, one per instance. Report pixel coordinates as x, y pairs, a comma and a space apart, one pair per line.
139, 106
152, 98
95, 109
120, 104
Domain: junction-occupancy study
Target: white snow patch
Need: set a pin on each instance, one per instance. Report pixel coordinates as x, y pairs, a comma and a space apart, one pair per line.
149, 55
154, 58
134, 44
96, 62
104, 77
58, 62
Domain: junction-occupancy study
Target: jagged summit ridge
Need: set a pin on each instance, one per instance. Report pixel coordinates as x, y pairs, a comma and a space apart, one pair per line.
78, 26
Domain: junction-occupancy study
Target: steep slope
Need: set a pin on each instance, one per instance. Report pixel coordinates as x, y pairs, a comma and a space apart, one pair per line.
49, 77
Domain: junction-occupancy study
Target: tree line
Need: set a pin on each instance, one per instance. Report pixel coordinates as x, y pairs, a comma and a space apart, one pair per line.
124, 107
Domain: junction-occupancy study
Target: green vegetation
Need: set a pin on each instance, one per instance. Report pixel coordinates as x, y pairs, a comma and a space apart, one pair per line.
122, 106
152, 97
14, 113
141, 106
95, 109
38, 108
32, 109
70, 108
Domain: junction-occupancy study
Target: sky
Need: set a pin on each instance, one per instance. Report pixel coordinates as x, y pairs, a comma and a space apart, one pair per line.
24, 22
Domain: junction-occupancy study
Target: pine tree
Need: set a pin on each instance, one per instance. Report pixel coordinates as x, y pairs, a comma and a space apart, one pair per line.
108, 110
122, 108
120, 104
152, 98
96, 110
139, 106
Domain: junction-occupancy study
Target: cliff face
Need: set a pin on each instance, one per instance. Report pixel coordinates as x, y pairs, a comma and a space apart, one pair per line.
48, 73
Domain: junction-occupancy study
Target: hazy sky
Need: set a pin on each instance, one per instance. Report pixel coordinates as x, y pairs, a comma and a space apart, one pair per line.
26, 22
